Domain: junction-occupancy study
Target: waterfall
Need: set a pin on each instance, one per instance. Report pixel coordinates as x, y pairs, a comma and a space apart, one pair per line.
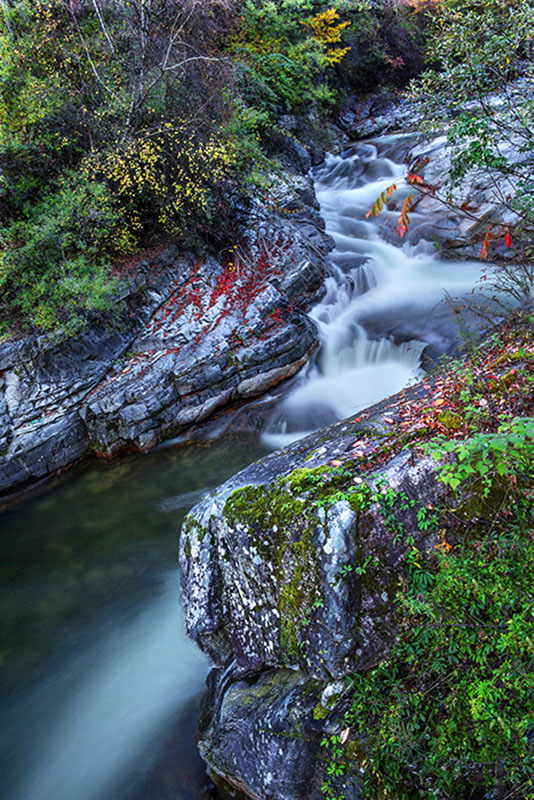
384, 301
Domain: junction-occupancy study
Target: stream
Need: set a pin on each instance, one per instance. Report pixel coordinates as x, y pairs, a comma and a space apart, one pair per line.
100, 684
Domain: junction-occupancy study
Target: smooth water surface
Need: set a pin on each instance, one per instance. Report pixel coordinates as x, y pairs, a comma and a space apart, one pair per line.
96, 666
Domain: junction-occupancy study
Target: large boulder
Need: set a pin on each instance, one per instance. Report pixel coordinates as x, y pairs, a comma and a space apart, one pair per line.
260, 735
290, 572
292, 564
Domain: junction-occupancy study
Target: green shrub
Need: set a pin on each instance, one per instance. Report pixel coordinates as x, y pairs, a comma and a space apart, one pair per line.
450, 713
54, 262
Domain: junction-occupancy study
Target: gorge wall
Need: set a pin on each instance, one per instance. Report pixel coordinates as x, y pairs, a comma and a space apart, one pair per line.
189, 336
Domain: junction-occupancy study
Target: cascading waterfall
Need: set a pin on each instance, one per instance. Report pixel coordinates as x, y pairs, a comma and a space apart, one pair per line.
384, 301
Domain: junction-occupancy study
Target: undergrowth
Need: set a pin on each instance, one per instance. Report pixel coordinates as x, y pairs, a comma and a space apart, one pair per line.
450, 713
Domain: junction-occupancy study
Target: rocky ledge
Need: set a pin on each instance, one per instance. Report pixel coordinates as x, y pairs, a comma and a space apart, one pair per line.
189, 336
290, 571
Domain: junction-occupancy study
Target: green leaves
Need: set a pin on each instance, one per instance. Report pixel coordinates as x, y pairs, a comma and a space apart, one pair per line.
486, 456
455, 697
482, 63
53, 265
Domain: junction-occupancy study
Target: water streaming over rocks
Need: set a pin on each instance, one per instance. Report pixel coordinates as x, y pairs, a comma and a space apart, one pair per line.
385, 300
96, 657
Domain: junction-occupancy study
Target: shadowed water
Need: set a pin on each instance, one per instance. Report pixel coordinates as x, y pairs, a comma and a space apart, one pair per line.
96, 667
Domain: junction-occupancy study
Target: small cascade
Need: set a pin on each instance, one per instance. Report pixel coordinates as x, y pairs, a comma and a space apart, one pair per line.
384, 301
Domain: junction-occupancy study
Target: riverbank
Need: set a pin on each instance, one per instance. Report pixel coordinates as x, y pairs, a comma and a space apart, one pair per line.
314, 566
189, 336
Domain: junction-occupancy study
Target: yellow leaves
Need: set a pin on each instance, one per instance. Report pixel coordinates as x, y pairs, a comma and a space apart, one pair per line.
167, 174
335, 56
325, 26
379, 203
327, 30
404, 219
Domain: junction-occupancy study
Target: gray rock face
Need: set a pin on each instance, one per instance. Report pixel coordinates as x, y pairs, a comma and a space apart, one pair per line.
461, 234
289, 572
375, 115
190, 337
243, 736
262, 562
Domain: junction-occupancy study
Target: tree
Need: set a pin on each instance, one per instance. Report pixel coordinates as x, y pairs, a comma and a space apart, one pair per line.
481, 77
112, 128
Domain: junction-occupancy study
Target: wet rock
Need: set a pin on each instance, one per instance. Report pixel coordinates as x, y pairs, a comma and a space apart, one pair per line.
188, 337
481, 193
39, 450
376, 114
289, 572
262, 736
263, 560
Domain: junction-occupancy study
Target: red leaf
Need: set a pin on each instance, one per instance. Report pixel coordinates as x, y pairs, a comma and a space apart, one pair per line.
508, 238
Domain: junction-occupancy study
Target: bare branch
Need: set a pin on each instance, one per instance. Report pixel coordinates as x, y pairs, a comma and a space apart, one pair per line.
103, 25
4, 5
88, 54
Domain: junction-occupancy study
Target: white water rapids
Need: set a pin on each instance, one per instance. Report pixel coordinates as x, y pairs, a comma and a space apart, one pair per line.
384, 301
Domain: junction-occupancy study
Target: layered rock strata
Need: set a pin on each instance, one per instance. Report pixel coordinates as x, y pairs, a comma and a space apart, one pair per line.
189, 336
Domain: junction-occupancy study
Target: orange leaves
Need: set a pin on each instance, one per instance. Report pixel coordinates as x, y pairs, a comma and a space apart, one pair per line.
404, 219
488, 238
412, 177
414, 170
379, 203
486, 243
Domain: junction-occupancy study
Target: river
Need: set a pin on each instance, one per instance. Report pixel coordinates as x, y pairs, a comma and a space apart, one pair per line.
99, 682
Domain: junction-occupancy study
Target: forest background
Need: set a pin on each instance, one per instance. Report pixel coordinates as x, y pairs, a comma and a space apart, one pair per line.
128, 122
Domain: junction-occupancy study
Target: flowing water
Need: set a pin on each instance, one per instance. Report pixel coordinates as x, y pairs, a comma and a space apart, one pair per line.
385, 303
99, 679
97, 671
